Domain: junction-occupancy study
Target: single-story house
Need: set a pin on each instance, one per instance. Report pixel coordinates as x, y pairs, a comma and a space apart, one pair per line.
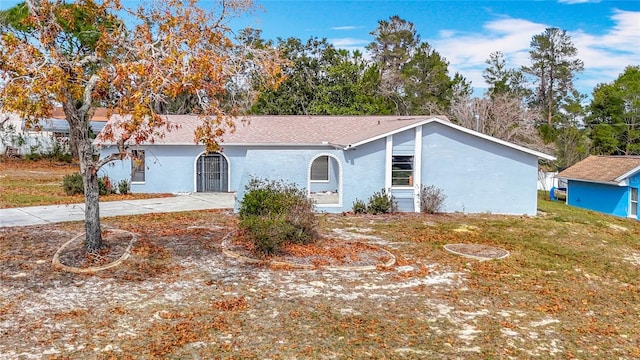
339, 159
608, 184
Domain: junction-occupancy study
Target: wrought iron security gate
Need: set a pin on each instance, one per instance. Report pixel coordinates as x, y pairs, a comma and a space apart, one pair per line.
212, 173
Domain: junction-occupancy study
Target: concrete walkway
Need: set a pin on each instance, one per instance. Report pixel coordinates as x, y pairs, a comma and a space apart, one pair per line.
39, 215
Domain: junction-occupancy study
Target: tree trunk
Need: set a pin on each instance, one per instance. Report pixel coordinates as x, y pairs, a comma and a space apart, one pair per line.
79, 131
93, 240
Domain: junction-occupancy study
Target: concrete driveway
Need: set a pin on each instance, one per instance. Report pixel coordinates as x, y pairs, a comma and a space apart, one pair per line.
39, 215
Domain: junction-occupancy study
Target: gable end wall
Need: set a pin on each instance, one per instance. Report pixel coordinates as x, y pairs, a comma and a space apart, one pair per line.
478, 175
608, 199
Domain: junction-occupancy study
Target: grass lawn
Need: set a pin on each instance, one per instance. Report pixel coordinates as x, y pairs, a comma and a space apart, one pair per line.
31, 183
569, 289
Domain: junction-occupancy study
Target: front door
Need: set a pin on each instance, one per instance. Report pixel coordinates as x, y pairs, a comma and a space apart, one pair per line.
212, 173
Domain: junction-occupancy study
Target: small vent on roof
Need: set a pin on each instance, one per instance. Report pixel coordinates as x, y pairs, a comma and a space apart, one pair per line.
378, 122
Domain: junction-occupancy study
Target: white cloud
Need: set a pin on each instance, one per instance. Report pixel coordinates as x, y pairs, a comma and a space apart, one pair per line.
572, 2
467, 52
350, 44
605, 55
349, 27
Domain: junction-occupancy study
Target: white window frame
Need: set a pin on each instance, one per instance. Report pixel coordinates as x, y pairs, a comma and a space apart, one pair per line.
339, 176
328, 172
633, 204
138, 168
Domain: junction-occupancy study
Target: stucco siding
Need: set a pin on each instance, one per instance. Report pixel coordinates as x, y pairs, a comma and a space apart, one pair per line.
608, 199
478, 175
364, 172
290, 165
236, 157
168, 169
634, 181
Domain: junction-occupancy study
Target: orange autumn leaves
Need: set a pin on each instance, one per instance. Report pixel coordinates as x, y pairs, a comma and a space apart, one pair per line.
83, 53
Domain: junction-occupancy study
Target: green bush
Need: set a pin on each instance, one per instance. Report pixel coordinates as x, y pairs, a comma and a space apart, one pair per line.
59, 152
431, 199
359, 207
33, 156
124, 187
274, 213
72, 185
381, 203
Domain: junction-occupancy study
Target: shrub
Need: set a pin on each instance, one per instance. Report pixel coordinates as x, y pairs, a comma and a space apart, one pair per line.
381, 203
33, 156
274, 213
431, 199
72, 184
359, 207
124, 186
59, 152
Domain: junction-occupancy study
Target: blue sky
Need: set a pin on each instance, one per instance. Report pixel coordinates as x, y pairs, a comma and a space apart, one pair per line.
606, 33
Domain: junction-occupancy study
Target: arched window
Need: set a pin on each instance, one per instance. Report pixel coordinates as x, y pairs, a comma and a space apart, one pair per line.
325, 181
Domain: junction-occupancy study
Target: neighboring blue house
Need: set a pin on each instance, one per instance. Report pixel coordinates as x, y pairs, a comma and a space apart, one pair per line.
341, 159
608, 184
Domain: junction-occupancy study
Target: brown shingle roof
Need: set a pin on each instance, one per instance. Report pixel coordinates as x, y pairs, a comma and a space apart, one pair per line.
340, 131
608, 169
293, 130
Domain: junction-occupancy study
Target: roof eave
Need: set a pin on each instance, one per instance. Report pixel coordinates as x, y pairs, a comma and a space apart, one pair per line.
616, 182
628, 174
499, 141
460, 128
222, 144
382, 136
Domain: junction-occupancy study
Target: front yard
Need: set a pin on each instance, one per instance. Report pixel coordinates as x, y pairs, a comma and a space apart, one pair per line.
569, 289
32, 183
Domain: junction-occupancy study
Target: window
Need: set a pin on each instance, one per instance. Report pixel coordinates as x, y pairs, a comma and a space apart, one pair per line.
137, 166
320, 169
402, 170
634, 203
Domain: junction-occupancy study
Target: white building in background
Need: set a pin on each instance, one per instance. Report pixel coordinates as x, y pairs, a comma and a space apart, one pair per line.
16, 138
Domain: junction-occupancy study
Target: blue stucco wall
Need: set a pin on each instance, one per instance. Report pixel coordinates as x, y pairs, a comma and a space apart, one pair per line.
362, 169
169, 169
477, 175
608, 199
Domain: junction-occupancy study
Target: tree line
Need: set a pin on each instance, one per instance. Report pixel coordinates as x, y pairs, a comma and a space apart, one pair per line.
536, 105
